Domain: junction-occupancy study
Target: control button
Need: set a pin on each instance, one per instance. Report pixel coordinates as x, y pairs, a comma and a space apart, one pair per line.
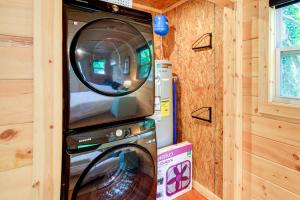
119, 133
115, 8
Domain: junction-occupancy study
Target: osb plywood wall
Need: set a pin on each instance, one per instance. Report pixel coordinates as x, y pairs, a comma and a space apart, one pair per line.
200, 85
271, 167
16, 99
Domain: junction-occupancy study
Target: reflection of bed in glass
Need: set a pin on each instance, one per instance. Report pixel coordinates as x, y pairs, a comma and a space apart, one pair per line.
88, 104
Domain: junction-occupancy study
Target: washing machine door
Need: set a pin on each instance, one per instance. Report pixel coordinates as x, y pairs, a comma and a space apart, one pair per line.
125, 172
110, 57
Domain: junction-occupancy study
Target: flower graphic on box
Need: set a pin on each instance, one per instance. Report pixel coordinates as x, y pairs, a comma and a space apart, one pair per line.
178, 177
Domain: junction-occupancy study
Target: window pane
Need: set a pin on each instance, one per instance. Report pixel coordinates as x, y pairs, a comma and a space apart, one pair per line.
99, 66
143, 71
290, 74
288, 26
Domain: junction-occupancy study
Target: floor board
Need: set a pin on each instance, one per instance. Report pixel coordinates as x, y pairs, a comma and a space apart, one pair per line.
192, 195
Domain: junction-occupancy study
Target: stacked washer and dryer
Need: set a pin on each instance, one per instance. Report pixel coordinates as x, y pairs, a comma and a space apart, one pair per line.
109, 145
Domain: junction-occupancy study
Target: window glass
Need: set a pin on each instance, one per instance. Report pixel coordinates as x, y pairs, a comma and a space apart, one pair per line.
288, 26
144, 57
288, 48
99, 66
290, 74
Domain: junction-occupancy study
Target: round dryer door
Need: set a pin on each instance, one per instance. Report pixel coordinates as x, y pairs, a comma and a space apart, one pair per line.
124, 172
111, 57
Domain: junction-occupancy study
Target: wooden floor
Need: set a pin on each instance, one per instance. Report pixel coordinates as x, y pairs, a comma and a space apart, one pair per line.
192, 195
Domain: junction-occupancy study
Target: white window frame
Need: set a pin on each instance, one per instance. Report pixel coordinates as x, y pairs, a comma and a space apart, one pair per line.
277, 96
278, 50
270, 103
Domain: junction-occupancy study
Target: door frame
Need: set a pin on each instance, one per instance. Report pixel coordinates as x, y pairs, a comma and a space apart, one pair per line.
48, 103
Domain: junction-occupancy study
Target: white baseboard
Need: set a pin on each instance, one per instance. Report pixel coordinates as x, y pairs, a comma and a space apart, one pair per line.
205, 192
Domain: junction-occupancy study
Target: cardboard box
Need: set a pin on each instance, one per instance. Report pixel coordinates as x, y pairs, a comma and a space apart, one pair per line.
174, 171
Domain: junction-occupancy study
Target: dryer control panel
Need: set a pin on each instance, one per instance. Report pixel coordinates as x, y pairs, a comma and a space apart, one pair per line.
94, 138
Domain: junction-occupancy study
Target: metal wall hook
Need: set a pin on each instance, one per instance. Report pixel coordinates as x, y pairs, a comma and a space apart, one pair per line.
196, 114
197, 45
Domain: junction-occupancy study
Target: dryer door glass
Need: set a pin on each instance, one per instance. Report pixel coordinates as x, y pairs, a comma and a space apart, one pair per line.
111, 57
126, 172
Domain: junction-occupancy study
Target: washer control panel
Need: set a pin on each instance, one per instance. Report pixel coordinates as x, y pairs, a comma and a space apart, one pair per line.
79, 140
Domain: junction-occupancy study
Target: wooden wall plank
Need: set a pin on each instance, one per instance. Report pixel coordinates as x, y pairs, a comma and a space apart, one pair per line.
256, 188
250, 29
228, 108
168, 5
16, 101
16, 145
16, 17
271, 160
16, 184
278, 152
16, 62
273, 172
47, 136
280, 131
250, 86
250, 48
219, 92
251, 10
250, 67
250, 105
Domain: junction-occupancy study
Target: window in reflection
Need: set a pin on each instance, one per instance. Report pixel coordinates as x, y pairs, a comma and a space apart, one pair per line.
144, 61
99, 66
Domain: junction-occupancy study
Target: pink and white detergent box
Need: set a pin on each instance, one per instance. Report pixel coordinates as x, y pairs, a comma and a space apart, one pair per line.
174, 171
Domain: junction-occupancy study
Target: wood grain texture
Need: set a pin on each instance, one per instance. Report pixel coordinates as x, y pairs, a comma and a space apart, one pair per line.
283, 154
272, 172
228, 105
16, 57
257, 188
197, 85
16, 183
205, 192
280, 131
219, 83
16, 17
16, 146
47, 136
271, 158
16, 101
250, 67
191, 195
168, 5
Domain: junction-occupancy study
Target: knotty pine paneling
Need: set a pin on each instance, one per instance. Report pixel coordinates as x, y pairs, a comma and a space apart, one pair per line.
283, 154
16, 17
16, 101
272, 172
16, 57
277, 130
16, 184
271, 146
158, 4
200, 84
250, 67
257, 188
16, 145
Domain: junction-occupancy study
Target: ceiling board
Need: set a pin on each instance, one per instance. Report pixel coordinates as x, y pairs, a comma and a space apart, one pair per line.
157, 4
160, 6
